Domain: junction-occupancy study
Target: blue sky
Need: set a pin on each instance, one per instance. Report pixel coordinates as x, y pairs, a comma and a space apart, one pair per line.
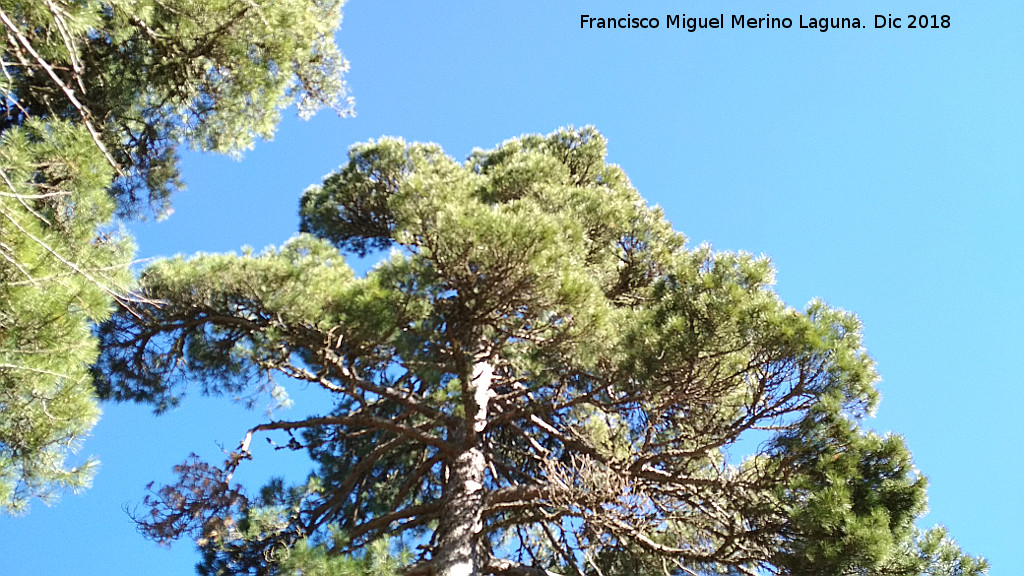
881, 170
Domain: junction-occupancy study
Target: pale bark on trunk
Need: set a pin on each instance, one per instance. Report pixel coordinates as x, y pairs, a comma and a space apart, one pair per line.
458, 532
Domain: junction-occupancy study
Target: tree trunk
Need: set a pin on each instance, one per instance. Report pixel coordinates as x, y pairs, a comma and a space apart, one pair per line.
461, 521
458, 531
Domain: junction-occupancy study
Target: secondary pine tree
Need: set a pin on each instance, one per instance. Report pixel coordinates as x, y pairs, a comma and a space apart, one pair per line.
97, 96
539, 377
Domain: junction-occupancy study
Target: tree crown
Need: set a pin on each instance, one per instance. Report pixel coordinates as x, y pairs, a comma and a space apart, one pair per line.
541, 376
96, 96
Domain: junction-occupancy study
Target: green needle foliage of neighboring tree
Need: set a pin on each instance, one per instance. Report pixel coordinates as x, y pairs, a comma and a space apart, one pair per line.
540, 378
96, 96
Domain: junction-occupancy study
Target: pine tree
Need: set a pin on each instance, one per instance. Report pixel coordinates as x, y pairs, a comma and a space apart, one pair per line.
58, 271
540, 378
97, 97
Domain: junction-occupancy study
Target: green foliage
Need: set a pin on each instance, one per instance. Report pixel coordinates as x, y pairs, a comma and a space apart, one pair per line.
933, 553
57, 273
855, 502
377, 560
296, 282
96, 97
145, 76
541, 376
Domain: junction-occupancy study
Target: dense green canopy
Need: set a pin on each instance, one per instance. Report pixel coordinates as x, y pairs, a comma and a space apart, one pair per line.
541, 376
96, 97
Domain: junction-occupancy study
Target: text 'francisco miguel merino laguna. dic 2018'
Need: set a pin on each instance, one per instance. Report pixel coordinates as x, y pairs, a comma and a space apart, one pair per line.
766, 22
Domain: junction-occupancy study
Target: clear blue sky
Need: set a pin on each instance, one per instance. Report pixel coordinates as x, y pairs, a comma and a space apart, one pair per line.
882, 170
